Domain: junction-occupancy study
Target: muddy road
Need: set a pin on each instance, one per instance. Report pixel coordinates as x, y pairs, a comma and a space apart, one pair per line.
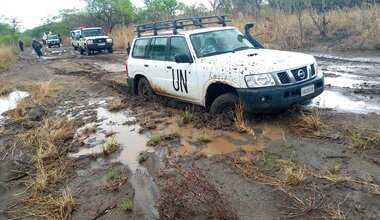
80, 145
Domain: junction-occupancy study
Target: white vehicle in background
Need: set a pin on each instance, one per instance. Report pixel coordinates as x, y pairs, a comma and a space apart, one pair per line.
73, 37
91, 39
217, 67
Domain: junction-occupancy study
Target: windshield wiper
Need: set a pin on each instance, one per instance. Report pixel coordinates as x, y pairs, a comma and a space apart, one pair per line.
215, 53
240, 48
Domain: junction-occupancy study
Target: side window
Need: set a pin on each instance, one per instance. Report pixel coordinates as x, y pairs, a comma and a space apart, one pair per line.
158, 48
178, 45
140, 48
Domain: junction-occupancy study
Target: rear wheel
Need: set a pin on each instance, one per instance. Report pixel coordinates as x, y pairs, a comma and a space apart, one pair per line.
144, 89
225, 104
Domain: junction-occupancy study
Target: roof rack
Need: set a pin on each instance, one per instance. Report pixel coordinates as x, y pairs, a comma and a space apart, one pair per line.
180, 24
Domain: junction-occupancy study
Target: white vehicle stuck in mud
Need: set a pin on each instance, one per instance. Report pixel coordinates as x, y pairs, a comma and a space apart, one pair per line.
216, 67
91, 39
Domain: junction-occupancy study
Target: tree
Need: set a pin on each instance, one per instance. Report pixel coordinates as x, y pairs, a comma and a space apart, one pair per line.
156, 10
110, 12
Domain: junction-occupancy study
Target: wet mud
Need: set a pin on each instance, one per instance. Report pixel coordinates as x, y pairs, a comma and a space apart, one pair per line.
302, 163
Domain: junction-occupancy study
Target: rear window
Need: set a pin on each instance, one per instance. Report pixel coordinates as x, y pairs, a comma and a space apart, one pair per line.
158, 49
141, 46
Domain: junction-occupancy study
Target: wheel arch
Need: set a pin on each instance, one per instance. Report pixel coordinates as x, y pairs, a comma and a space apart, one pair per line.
216, 89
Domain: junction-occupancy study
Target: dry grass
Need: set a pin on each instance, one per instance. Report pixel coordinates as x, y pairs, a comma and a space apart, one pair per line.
122, 36
117, 104
309, 125
188, 194
6, 88
240, 122
8, 56
355, 28
362, 138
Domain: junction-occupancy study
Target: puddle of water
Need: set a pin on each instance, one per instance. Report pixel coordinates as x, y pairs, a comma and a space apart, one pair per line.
349, 59
219, 146
127, 136
338, 102
111, 67
343, 82
10, 102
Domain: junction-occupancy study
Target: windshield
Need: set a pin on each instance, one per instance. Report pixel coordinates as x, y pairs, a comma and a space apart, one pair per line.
93, 33
218, 42
52, 37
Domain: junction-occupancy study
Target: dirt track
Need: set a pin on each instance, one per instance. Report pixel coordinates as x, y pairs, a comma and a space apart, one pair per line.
303, 163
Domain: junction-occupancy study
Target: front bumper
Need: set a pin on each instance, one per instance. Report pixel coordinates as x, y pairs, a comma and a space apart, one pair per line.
274, 99
99, 46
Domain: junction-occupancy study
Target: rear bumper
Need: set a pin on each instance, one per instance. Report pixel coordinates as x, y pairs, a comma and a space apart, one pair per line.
275, 99
131, 83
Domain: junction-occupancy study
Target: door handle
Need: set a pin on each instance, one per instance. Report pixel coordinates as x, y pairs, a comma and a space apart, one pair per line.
146, 65
169, 67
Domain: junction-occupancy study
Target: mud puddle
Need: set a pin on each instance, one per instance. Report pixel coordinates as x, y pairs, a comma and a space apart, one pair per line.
114, 128
10, 102
337, 101
122, 129
110, 67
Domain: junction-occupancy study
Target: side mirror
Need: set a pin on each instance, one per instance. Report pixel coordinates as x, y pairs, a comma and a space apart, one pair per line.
183, 58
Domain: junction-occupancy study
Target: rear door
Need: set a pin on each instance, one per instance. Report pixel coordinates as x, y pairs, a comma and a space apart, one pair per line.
181, 78
155, 64
138, 63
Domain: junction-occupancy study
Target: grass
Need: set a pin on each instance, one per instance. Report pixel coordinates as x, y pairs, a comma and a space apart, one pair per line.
206, 136
154, 141
354, 28
336, 168
186, 117
309, 125
122, 35
127, 206
116, 104
143, 157
8, 56
6, 88
110, 147
111, 174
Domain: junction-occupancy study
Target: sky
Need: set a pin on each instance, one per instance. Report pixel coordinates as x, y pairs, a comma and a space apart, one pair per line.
32, 12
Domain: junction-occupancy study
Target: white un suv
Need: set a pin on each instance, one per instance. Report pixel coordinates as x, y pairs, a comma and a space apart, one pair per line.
216, 67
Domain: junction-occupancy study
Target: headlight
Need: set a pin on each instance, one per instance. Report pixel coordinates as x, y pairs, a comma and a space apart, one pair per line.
109, 40
260, 80
90, 41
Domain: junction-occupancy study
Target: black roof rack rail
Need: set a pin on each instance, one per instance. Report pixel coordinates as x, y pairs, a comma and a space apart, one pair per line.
180, 24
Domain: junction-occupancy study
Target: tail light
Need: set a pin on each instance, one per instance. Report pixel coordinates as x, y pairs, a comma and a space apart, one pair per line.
126, 68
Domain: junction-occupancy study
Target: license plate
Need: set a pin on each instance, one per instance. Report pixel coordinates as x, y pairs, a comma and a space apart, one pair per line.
102, 44
307, 90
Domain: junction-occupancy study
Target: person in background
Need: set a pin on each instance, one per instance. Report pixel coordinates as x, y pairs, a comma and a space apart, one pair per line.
21, 45
37, 47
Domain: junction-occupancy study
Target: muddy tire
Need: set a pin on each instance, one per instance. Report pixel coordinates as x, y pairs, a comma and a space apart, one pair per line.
81, 51
144, 89
88, 51
110, 50
224, 104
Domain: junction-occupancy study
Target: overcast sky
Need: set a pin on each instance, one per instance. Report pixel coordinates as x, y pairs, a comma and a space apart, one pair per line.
32, 12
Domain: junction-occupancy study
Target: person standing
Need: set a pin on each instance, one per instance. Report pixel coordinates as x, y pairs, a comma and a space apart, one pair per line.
37, 47
21, 45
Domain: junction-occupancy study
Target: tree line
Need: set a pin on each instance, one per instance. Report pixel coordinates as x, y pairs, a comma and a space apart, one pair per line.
112, 13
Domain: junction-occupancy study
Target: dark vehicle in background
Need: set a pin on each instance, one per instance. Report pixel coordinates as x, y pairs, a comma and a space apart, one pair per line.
53, 40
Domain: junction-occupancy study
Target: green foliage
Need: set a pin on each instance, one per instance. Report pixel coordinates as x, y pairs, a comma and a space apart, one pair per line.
143, 156
154, 141
127, 206
9, 38
157, 10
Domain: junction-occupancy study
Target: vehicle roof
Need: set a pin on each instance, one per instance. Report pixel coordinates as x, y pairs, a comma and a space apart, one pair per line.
188, 32
91, 28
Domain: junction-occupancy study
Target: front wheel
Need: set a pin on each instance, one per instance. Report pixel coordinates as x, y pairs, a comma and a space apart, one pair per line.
88, 51
144, 89
225, 104
110, 50
81, 51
